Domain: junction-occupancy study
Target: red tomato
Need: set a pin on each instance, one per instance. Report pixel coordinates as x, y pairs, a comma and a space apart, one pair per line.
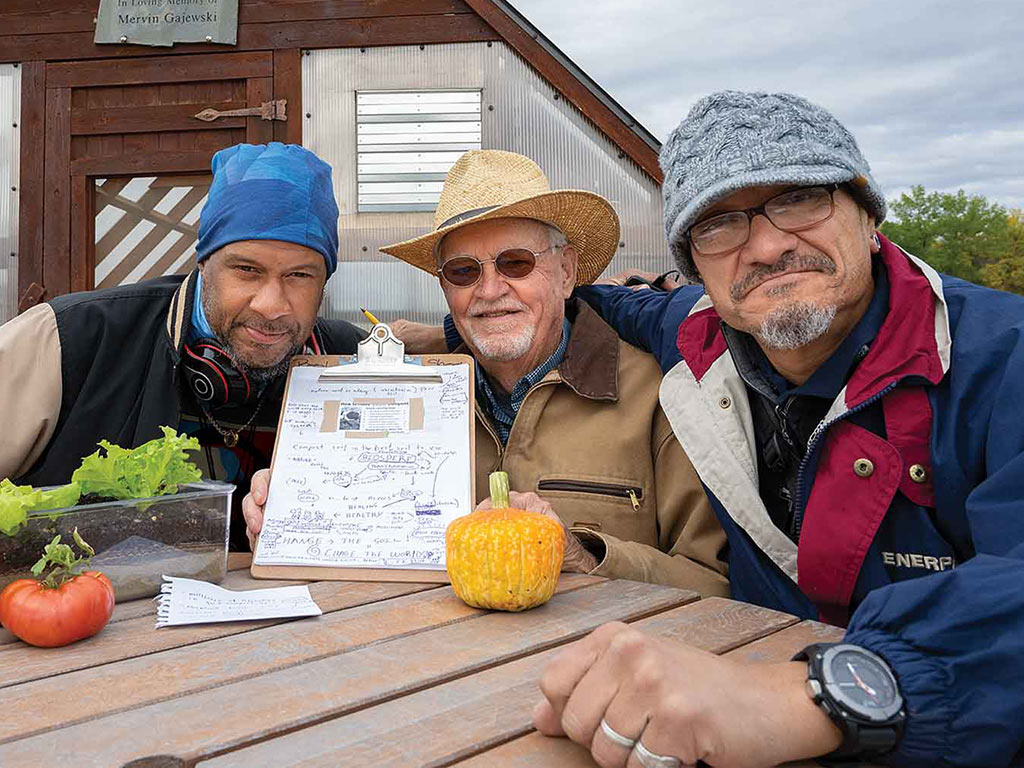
78, 608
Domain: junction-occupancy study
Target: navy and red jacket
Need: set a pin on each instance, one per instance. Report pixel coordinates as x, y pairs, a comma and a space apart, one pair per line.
920, 553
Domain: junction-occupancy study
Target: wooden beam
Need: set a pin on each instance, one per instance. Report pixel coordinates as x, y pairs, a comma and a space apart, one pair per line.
171, 117
277, 11
257, 91
57, 217
288, 85
328, 33
348, 33
160, 69
18, 17
31, 200
53, 18
83, 228
566, 83
157, 162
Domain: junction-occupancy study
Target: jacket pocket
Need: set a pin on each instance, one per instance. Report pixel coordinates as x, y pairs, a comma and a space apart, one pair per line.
632, 493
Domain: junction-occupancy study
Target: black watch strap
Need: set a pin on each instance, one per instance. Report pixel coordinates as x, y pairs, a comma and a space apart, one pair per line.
861, 737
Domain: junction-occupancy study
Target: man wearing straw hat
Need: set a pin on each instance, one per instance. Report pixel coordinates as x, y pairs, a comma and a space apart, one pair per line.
563, 406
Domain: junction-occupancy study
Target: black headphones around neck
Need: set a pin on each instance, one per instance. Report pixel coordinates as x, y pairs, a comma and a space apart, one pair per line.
213, 378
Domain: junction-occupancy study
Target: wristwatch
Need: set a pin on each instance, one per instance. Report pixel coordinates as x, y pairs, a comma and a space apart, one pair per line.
858, 691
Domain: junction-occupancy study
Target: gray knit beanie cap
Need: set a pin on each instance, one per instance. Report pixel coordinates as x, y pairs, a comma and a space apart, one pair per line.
732, 140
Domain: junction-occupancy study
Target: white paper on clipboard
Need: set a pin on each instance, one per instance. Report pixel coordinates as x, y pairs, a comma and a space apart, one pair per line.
369, 470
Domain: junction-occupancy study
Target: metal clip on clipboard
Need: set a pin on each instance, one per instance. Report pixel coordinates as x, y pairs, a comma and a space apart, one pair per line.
380, 357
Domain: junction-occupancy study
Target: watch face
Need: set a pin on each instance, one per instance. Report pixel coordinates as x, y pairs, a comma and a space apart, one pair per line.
863, 683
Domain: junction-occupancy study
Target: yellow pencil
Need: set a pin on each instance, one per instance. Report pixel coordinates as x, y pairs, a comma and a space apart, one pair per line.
369, 316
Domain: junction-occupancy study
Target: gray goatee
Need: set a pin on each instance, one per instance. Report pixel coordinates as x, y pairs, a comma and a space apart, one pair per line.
795, 325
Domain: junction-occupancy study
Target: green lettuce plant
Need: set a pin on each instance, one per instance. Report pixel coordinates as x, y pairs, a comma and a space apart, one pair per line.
155, 468
16, 501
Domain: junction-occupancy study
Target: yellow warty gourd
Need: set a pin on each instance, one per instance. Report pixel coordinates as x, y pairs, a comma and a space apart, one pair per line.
504, 559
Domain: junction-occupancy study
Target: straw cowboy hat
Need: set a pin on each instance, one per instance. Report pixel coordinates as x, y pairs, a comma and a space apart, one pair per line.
491, 184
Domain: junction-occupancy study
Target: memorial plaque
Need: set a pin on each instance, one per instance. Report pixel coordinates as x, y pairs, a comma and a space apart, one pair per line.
166, 22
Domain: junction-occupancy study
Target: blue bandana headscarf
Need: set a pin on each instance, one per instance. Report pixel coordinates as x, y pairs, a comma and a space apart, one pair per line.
270, 192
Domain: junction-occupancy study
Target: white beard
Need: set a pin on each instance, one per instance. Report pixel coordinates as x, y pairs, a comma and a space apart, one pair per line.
504, 347
795, 325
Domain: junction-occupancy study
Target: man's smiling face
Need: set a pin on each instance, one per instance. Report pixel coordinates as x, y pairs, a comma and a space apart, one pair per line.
506, 319
261, 298
782, 279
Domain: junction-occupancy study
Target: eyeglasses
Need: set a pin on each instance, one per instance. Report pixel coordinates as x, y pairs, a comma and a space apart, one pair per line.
790, 211
513, 263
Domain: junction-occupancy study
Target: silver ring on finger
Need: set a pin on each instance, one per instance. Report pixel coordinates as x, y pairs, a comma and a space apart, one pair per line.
650, 759
618, 738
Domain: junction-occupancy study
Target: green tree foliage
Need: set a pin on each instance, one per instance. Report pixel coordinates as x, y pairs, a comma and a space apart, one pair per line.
1007, 273
959, 234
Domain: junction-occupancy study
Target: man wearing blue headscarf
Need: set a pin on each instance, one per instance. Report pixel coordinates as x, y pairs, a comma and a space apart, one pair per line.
205, 352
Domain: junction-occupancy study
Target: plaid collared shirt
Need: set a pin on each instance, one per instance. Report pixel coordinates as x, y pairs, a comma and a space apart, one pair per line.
503, 409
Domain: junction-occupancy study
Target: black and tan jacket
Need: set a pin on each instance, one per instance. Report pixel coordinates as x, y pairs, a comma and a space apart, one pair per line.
591, 439
101, 365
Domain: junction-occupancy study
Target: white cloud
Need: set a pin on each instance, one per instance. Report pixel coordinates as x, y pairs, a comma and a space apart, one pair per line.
933, 89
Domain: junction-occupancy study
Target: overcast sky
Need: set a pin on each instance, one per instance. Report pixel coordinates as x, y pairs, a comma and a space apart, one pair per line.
932, 90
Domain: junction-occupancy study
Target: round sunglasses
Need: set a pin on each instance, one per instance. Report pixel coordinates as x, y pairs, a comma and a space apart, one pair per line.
513, 263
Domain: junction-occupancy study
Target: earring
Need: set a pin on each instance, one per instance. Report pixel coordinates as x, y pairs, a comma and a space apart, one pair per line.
876, 242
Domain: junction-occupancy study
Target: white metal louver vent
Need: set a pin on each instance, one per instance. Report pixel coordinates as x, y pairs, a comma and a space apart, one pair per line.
406, 143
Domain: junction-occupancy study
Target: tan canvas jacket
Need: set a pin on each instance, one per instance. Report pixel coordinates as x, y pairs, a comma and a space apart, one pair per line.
591, 439
30, 387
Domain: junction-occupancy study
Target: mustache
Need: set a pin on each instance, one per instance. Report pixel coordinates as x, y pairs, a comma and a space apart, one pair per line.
265, 326
483, 307
790, 260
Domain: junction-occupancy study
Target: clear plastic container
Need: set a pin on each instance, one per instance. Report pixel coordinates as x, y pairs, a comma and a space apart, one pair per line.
137, 541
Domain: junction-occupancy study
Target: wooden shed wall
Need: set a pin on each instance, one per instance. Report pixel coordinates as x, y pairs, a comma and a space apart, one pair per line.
101, 110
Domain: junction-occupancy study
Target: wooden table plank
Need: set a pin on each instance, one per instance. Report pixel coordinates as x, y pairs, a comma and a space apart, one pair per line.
223, 658
535, 749
138, 637
782, 645
532, 750
458, 719
236, 714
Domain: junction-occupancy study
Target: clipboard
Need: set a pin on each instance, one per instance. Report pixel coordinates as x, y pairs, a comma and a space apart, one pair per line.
380, 362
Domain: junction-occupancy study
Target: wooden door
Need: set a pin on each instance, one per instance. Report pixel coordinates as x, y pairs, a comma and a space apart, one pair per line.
113, 121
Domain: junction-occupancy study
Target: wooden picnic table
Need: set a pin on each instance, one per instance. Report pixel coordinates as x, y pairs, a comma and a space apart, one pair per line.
392, 674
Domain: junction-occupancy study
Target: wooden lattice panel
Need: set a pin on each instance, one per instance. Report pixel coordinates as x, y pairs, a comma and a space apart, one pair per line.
146, 226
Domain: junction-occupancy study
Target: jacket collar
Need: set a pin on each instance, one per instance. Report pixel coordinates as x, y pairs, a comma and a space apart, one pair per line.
913, 341
179, 314
591, 363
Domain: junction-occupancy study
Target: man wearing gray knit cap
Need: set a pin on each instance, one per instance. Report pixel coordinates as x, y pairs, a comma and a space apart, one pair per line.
854, 417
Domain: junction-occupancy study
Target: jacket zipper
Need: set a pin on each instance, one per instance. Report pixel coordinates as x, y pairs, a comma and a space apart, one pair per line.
620, 491
605, 489
798, 516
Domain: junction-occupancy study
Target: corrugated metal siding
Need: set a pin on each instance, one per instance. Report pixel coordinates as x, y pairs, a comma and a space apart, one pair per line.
520, 112
407, 142
10, 153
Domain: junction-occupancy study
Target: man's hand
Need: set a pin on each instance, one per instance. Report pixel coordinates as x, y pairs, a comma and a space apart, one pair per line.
667, 281
252, 505
577, 559
679, 702
420, 339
